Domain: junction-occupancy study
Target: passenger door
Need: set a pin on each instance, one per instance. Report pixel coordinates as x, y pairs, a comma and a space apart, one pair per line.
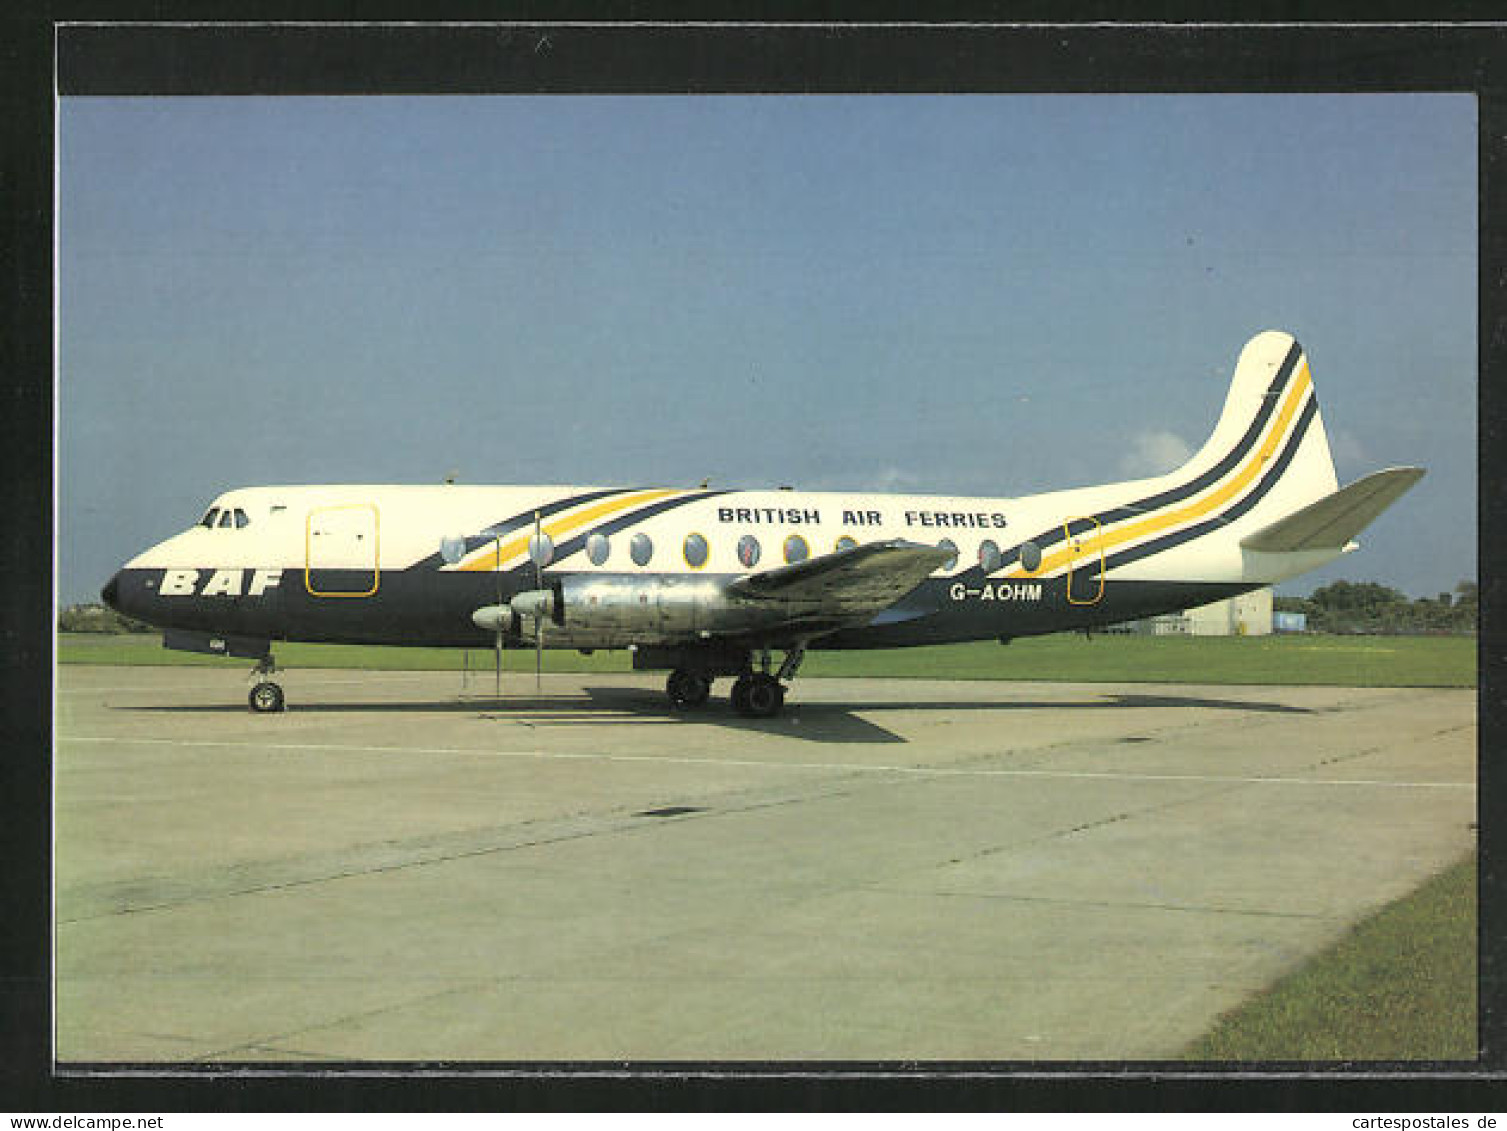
342, 547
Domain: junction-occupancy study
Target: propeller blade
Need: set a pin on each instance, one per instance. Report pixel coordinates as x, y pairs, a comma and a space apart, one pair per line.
538, 555
539, 619
497, 573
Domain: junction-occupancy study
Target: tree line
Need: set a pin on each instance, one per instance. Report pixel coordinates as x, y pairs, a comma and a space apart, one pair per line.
1366, 606
98, 618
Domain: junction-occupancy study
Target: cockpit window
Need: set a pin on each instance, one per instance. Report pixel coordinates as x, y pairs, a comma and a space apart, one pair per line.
225, 518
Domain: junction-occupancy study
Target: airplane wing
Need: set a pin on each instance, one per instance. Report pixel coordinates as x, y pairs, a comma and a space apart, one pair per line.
1331, 522
846, 583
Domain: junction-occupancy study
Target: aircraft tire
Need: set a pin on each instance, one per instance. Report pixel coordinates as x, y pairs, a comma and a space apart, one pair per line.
266, 698
688, 689
760, 697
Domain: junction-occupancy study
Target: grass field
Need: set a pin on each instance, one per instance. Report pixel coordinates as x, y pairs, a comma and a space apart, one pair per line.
1348, 661
1400, 986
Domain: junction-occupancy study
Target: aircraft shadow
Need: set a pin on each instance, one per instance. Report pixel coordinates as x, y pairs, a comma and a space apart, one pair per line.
811, 722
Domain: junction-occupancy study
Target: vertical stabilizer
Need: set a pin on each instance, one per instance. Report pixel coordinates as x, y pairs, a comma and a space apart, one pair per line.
1269, 444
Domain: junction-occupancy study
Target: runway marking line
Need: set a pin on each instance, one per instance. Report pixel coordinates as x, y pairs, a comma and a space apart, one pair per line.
923, 771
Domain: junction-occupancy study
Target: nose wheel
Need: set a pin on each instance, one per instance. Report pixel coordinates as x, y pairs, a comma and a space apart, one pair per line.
265, 696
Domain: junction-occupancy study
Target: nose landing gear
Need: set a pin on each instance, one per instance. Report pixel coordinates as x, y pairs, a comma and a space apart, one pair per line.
265, 697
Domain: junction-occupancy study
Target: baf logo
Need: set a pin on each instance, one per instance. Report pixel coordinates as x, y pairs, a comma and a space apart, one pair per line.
221, 583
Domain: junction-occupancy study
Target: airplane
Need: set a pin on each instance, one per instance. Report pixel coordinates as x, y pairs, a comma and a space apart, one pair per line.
707, 583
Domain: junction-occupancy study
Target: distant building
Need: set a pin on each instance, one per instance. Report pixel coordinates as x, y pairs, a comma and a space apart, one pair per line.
1289, 622
1249, 614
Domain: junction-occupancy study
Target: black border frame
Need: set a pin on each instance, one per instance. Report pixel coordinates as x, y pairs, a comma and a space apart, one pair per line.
505, 53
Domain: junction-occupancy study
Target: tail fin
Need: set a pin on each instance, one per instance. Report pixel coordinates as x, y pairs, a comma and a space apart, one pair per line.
1264, 471
1260, 501
1269, 451
1270, 432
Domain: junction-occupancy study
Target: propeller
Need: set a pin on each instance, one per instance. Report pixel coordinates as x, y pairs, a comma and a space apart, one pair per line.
497, 573
499, 619
538, 556
538, 603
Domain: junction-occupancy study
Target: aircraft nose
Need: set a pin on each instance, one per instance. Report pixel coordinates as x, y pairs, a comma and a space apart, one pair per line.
110, 594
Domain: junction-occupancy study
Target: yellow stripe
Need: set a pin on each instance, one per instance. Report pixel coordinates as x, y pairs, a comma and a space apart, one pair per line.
1232, 486
556, 527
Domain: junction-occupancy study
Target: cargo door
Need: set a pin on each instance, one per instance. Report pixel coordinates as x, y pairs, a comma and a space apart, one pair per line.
1085, 575
341, 546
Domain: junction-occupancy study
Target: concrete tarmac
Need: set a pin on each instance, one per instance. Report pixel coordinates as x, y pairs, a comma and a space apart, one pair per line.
896, 869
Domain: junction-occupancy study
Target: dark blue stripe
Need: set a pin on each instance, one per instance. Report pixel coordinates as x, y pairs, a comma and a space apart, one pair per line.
576, 542
1269, 402
1268, 481
526, 518
518, 522
1143, 507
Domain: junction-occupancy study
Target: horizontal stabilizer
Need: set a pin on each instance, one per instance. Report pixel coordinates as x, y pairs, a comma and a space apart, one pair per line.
1334, 520
862, 579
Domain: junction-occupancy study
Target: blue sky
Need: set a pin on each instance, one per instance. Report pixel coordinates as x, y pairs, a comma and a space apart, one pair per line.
950, 294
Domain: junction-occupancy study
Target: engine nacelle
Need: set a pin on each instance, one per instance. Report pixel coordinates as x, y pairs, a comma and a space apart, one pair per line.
495, 618
541, 604
625, 607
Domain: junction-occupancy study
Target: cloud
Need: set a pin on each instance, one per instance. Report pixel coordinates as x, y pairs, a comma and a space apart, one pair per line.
894, 479
1155, 453
1346, 449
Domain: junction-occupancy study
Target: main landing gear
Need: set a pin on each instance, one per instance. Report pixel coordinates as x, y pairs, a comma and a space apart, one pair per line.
758, 695
688, 689
755, 694
265, 697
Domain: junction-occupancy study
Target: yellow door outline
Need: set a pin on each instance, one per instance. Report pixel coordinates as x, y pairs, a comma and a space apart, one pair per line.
376, 559
1085, 550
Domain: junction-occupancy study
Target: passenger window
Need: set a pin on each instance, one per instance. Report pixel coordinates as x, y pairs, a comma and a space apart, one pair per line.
1030, 557
597, 548
748, 551
541, 549
847, 543
695, 551
952, 552
641, 549
989, 556
796, 549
